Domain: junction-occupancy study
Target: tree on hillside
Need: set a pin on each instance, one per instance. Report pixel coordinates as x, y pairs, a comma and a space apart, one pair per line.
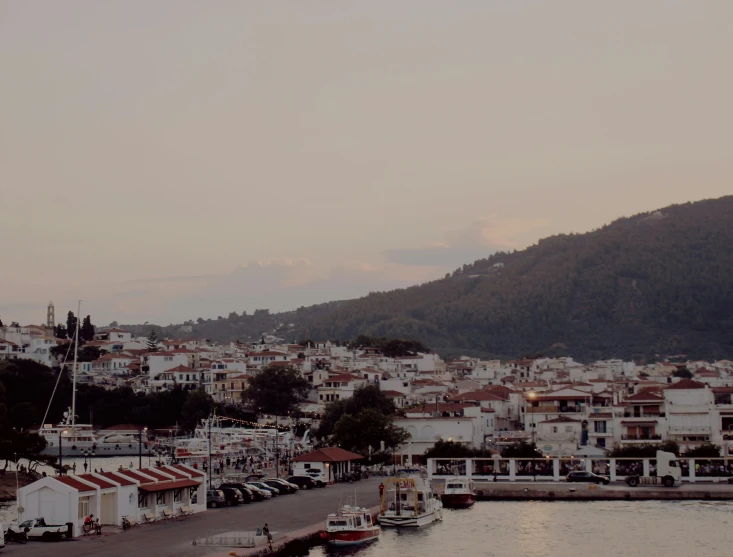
368, 428
366, 397
152, 343
71, 324
87, 329
59, 331
198, 406
683, 372
276, 390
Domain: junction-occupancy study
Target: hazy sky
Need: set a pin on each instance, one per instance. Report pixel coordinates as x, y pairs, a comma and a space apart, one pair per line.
165, 160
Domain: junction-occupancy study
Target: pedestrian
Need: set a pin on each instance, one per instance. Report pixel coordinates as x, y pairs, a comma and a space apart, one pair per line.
74, 468
85, 467
266, 532
130, 466
381, 490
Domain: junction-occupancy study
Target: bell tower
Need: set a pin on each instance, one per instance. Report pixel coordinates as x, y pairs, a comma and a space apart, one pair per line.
50, 316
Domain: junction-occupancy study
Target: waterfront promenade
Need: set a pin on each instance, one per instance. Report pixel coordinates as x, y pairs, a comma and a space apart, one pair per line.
284, 514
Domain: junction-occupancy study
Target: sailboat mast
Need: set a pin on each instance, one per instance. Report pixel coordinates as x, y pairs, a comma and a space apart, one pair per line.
76, 358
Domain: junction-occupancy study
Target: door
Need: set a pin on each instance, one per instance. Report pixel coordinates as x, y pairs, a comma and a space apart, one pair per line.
108, 508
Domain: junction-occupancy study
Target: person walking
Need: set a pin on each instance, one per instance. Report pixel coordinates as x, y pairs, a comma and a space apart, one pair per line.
381, 490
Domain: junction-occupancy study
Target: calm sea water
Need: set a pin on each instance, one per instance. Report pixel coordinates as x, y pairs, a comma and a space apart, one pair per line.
563, 529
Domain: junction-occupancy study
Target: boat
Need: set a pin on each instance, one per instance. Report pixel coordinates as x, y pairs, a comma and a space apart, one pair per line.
409, 502
458, 493
350, 526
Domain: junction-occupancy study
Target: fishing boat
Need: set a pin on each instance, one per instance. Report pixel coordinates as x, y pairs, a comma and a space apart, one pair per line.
350, 526
409, 502
458, 493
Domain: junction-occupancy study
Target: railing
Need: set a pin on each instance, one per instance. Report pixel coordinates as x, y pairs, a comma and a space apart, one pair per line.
644, 415
554, 409
654, 437
692, 429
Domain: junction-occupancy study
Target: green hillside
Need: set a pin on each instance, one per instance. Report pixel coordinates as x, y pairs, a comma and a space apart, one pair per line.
655, 284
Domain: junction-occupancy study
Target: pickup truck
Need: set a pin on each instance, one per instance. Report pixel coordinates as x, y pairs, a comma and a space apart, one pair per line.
37, 529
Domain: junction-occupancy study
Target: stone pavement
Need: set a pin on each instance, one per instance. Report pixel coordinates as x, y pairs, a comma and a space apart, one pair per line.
285, 514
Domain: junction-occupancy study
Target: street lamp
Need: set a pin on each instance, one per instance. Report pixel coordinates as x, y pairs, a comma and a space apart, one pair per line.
61, 454
88, 453
140, 447
531, 396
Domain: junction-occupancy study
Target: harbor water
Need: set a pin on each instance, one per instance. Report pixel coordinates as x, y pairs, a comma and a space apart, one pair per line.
563, 529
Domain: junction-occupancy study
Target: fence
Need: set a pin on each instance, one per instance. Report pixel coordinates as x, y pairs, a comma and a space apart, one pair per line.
556, 468
230, 539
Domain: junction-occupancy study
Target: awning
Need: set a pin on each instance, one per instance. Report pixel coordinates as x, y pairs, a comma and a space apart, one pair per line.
647, 423
165, 486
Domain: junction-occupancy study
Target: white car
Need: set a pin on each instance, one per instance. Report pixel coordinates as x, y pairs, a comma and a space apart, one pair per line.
318, 476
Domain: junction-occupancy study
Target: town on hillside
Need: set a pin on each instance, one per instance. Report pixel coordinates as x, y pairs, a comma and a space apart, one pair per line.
557, 403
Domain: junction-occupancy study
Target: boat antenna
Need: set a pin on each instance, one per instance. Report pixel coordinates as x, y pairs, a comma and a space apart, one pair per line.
61, 372
76, 358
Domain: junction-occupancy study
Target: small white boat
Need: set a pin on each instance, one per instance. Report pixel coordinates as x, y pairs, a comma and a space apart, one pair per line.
409, 502
350, 526
458, 493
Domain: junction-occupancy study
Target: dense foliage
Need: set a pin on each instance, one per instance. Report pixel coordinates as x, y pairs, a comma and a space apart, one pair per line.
453, 449
521, 449
27, 388
276, 390
647, 450
362, 421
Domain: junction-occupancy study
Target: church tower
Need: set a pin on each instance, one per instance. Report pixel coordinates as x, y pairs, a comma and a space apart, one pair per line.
50, 316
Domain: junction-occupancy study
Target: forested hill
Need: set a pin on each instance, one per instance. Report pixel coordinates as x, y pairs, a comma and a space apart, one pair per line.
658, 283
655, 284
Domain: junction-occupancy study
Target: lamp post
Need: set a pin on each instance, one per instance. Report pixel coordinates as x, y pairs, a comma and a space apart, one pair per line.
88, 453
61, 453
140, 446
531, 396
209, 462
17, 503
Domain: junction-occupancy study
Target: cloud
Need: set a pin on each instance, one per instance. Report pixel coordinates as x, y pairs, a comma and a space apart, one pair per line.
438, 256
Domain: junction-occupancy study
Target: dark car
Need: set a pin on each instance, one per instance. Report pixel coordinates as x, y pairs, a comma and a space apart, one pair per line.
259, 494
247, 495
303, 482
233, 496
214, 498
282, 485
587, 477
262, 485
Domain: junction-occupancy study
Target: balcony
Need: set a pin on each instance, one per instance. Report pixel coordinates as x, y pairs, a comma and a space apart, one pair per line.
641, 438
644, 415
554, 409
693, 429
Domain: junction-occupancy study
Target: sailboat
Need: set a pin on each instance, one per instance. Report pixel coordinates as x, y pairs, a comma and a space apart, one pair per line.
71, 439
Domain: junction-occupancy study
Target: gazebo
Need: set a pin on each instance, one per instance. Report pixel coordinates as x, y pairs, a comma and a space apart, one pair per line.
332, 461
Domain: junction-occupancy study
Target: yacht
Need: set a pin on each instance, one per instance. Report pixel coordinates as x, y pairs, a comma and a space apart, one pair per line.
409, 502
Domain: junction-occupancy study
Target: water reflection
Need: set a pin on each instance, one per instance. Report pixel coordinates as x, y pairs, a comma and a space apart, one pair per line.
562, 529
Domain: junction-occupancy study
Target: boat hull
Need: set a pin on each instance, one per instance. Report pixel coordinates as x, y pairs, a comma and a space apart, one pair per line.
352, 537
100, 450
458, 500
409, 521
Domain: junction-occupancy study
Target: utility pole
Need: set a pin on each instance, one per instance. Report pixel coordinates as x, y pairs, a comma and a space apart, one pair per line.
277, 450
209, 435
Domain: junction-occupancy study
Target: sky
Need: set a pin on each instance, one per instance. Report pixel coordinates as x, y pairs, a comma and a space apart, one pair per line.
175, 159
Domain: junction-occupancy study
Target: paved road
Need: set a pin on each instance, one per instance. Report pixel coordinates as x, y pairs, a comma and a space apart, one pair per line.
284, 513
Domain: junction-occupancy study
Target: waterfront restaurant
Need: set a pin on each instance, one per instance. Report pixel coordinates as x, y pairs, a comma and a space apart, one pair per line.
334, 462
111, 495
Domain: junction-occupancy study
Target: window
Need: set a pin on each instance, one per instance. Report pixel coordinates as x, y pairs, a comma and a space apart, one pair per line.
178, 496
554, 429
83, 507
168, 358
600, 427
568, 429
142, 501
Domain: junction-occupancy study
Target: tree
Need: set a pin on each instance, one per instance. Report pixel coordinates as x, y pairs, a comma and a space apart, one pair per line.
706, 450
71, 324
276, 390
366, 397
198, 406
152, 344
59, 331
87, 329
521, 450
647, 450
683, 372
1, 323
452, 449
368, 428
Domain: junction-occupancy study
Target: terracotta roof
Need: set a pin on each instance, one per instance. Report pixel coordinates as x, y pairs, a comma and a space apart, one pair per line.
645, 395
343, 378
560, 419
181, 369
175, 473
687, 384
480, 396
154, 474
165, 486
329, 454
187, 470
97, 481
136, 476
74, 483
393, 394
119, 478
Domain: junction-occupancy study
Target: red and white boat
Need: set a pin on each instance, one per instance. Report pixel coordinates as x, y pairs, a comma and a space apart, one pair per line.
458, 493
350, 526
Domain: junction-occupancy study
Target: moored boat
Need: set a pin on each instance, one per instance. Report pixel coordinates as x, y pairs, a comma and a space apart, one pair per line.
409, 502
458, 493
350, 526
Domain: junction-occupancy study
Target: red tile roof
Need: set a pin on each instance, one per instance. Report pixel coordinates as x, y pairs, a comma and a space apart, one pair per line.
165, 486
645, 395
154, 474
175, 473
97, 481
479, 396
329, 454
74, 483
560, 419
136, 476
687, 384
186, 470
119, 478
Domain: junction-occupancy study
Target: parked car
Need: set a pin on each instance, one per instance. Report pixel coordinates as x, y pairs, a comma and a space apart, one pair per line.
587, 477
247, 495
292, 487
37, 529
318, 476
233, 496
214, 498
303, 482
281, 485
260, 494
275, 491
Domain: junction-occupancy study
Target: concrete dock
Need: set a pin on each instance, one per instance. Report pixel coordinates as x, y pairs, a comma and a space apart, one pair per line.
288, 516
